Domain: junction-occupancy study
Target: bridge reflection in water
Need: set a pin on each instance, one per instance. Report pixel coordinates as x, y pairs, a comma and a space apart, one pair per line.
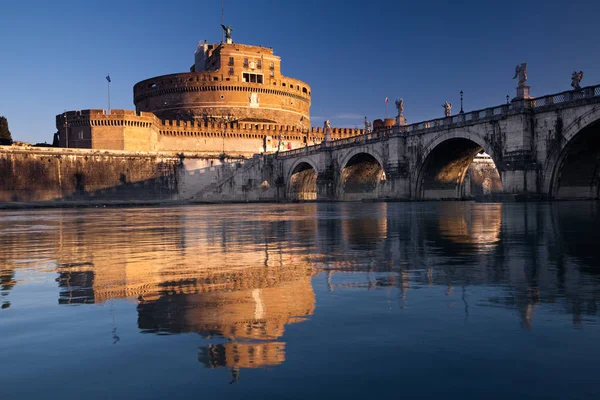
239, 275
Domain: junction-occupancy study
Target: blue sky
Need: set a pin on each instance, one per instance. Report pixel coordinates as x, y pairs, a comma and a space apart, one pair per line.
354, 54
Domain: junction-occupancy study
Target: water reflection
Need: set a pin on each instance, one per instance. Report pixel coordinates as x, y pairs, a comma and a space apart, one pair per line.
7, 282
239, 275
475, 228
188, 274
538, 253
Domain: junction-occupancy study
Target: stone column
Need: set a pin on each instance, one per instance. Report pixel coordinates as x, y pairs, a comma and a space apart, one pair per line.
398, 186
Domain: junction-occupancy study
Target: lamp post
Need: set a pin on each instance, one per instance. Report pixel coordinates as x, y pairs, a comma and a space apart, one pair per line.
461, 102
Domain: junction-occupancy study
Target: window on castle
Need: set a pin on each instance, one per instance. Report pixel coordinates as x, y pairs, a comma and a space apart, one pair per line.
272, 74
230, 61
252, 78
230, 71
272, 65
259, 64
245, 63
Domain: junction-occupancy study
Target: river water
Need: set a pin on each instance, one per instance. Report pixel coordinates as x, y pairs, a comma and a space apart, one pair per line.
413, 300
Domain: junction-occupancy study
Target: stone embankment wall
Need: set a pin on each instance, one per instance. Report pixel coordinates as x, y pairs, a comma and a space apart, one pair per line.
38, 174
31, 175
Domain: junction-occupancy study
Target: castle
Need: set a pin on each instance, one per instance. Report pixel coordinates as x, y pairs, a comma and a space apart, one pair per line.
234, 101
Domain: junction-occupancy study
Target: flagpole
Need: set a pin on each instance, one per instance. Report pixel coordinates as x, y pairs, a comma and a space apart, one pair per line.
386, 107
108, 94
223, 19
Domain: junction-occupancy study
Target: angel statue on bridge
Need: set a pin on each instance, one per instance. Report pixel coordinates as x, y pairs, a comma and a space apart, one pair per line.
400, 106
447, 109
367, 126
576, 78
521, 72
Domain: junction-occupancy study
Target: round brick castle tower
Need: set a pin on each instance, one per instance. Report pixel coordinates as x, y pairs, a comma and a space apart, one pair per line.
228, 80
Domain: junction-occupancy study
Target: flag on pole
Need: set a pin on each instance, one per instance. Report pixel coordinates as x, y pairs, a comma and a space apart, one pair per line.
386, 100
108, 79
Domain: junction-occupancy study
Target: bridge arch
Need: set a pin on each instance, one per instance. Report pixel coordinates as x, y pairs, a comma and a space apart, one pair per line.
302, 181
572, 168
362, 175
456, 165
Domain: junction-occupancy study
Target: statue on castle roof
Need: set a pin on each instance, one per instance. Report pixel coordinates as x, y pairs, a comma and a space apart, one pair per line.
447, 109
227, 30
521, 73
400, 106
367, 126
576, 78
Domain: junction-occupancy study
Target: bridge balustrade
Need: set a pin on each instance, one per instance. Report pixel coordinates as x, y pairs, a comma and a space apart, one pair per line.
472, 116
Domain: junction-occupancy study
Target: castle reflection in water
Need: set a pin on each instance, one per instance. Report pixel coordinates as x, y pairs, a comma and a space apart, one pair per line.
243, 273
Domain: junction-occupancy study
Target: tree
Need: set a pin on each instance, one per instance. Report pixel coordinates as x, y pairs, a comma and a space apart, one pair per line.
5, 136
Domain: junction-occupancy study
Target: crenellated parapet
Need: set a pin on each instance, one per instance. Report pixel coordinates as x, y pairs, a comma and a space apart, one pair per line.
337, 133
115, 130
80, 118
240, 130
232, 130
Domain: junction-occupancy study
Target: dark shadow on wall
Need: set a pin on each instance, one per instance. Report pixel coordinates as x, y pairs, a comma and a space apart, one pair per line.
160, 188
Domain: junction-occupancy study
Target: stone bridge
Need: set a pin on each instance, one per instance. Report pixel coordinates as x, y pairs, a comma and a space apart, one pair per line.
546, 147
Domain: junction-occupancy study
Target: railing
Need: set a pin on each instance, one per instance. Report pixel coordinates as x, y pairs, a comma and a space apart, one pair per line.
472, 116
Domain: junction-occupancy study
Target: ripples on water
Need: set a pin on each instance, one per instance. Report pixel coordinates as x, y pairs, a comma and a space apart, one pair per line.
442, 299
